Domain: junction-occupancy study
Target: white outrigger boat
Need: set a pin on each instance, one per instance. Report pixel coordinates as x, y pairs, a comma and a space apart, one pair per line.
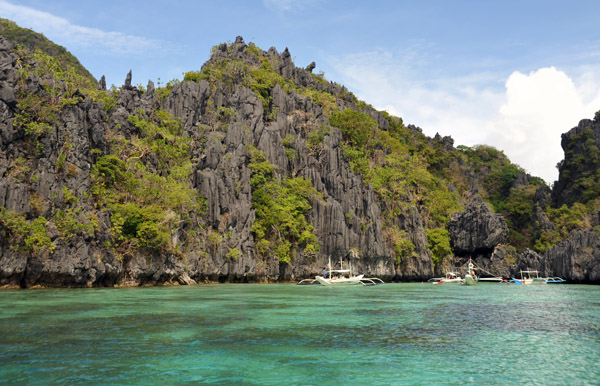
450, 278
342, 277
531, 276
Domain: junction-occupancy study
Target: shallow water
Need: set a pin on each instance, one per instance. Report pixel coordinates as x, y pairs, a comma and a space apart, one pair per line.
286, 334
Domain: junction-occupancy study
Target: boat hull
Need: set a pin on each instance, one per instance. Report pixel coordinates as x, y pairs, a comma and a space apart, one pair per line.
469, 280
523, 281
448, 281
339, 281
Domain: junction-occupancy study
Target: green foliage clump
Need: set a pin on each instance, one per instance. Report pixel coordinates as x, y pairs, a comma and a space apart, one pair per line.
233, 254
357, 128
565, 219
19, 169
72, 221
280, 226
23, 234
110, 170
439, 244
144, 183
36, 115
142, 225
499, 182
63, 85
316, 137
403, 247
327, 101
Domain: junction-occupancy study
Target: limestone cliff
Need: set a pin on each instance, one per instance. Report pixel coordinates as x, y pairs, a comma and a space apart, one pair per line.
45, 180
579, 172
249, 170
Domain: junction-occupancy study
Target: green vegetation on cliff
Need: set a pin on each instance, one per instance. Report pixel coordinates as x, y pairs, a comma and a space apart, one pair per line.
281, 226
35, 41
144, 183
23, 234
405, 168
141, 175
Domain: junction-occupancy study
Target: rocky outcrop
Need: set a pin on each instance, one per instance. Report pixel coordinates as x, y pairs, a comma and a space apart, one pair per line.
531, 260
346, 217
499, 263
418, 266
476, 230
44, 176
578, 258
578, 172
479, 234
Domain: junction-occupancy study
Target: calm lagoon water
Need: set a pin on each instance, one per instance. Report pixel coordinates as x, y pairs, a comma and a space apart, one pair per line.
310, 335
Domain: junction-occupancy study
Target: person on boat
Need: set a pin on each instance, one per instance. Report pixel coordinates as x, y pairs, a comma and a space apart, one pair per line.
325, 272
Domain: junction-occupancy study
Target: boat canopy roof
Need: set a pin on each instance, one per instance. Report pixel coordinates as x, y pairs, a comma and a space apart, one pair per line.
340, 270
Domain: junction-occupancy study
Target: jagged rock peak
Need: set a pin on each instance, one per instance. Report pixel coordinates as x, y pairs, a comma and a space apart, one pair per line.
102, 83
150, 87
447, 142
127, 84
578, 171
282, 63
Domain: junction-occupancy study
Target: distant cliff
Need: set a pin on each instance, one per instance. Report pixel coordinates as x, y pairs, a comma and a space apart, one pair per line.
250, 169
579, 172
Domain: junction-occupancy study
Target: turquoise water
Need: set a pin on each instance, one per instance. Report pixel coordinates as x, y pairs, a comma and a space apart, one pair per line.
286, 334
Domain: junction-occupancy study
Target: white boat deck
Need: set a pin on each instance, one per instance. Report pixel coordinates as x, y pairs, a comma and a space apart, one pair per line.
341, 277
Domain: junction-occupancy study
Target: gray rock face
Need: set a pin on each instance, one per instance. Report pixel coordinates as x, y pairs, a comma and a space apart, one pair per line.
531, 260
224, 121
346, 217
476, 230
582, 162
578, 258
498, 263
419, 266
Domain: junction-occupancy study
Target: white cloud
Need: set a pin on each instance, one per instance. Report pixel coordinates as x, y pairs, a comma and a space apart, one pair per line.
525, 120
459, 107
537, 109
62, 31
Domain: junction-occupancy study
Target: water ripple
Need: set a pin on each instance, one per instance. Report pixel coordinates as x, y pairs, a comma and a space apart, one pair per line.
273, 334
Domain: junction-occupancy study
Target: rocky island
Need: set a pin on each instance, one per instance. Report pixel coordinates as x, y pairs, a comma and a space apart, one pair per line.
252, 169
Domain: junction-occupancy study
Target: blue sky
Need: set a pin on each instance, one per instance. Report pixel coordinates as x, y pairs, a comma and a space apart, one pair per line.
512, 74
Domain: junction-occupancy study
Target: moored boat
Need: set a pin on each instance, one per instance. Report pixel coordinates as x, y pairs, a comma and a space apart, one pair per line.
529, 277
449, 278
470, 277
555, 280
341, 277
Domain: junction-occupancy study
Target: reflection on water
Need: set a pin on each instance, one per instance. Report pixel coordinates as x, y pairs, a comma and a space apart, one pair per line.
287, 334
